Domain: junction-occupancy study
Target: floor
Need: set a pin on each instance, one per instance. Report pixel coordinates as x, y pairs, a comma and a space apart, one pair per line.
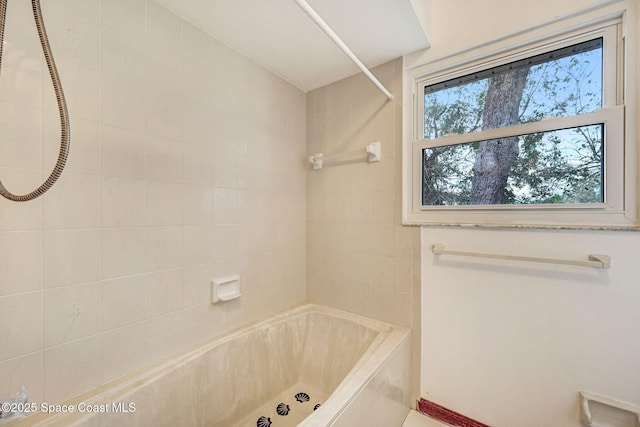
416, 419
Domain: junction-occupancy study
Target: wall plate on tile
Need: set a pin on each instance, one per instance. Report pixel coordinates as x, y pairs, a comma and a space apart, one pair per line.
225, 288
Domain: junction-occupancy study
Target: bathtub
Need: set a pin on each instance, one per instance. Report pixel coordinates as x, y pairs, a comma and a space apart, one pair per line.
310, 366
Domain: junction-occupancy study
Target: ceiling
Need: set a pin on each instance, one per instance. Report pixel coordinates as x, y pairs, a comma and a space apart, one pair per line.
278, 35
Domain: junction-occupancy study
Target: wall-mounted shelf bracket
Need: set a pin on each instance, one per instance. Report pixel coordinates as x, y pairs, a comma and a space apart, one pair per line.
374, 150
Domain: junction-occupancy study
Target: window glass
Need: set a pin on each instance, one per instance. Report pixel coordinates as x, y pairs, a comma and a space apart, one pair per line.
561, 166
560, 83
556, 167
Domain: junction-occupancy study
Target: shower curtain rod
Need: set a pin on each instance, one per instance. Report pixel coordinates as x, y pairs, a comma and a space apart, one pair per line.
338, 41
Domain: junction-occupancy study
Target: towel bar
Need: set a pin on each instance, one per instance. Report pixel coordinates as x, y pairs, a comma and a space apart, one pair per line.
595, 261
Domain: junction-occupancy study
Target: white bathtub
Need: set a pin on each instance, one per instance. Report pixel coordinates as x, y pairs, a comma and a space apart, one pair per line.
356, 368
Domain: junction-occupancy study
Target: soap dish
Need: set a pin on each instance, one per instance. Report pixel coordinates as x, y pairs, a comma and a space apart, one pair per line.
225, 289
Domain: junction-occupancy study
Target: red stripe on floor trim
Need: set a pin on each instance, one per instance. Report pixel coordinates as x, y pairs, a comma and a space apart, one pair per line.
446, 415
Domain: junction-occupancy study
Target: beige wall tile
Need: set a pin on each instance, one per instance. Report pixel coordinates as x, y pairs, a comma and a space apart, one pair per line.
74, 201
71, 257
164, 64
196, 284
166, 292
20, 216
124, 350
81, 87
226, 170
27, 371
198, 163
128, 15
71, 368
124, 252
225, 206
164, 248
22, 36
21, 85
225, 242
383, 239
82, 44
124, 301
84, 151
167, 186
199, 243
164, 203
164, 160
71, 313
123, 153
168, 332
198, 204
403, 275
382, 272
382, 208
21, 133
123, 60
124, 202
21, 317
21, 254
382, 304
360, 252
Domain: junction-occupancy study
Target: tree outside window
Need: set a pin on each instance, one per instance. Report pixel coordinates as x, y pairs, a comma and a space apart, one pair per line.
563, 166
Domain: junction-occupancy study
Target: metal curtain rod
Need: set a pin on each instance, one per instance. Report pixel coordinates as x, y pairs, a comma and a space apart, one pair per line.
338, 41
595, 261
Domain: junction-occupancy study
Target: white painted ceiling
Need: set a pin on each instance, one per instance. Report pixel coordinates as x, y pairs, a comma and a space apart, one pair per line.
278, 35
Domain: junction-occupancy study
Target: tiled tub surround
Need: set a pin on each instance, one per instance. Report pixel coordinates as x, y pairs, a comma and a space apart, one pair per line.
360, 257
186, 164
360, 365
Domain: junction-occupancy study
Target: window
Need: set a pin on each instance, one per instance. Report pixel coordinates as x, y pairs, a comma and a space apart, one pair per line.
534, 136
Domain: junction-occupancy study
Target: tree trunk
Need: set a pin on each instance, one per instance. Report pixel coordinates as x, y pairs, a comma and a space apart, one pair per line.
495, 158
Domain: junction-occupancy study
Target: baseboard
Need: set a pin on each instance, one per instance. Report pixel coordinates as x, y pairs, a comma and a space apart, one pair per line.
445, 415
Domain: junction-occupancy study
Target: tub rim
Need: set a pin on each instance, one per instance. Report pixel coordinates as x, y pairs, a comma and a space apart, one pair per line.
383, 348
355, 380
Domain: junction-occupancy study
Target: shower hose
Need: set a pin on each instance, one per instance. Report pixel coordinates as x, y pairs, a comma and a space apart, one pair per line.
62, 105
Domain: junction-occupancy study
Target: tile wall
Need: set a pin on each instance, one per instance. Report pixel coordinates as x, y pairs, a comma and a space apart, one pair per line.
359, 256
186, 164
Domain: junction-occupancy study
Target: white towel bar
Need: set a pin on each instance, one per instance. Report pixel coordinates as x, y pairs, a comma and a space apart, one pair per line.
373, 153
595, 261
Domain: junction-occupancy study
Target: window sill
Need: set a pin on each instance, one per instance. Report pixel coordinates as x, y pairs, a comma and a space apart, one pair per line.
522, 226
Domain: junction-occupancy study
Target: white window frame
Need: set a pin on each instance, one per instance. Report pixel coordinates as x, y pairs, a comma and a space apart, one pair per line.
619, 207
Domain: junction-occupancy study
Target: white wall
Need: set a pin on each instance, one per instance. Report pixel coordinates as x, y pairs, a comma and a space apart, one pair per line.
456, 25
186, 164
511, 344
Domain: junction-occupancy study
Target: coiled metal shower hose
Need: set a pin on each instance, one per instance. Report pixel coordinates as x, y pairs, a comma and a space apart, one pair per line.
65, 138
